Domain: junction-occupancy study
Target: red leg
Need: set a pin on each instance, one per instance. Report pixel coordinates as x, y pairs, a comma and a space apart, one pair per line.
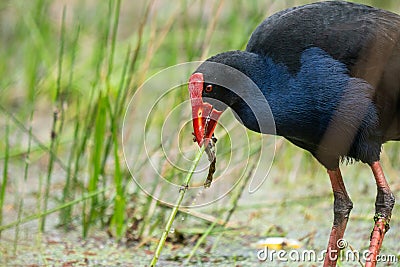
342, 207
383, 211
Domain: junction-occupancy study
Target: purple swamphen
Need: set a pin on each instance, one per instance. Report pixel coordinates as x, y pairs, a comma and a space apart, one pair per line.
330, 74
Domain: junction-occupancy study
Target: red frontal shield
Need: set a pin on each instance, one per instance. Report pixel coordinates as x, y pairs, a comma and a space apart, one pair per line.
204, 116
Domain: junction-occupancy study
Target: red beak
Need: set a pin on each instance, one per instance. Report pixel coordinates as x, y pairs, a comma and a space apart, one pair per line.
204, 116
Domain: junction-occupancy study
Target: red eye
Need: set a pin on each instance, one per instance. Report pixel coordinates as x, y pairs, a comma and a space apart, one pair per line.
209, 88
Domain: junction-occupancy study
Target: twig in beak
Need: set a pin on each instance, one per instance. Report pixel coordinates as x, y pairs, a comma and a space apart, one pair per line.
210, 150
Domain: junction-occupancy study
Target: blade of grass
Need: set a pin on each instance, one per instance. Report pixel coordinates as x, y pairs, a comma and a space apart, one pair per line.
99, 137
112, 114
150, 209
86, 133
157, 37
65, 215
206, 217
147, 212
115, 22
50, 211
112, 22
88, 128
118, 217
36, 27
69, 188
211, 29
56, 119
131, 82
40, 144
26, 169
5, 170
171, 218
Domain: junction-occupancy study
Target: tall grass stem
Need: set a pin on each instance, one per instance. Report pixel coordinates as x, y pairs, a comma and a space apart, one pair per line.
171, 218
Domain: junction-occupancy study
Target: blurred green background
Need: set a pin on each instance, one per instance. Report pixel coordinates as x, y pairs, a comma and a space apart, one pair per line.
68, 70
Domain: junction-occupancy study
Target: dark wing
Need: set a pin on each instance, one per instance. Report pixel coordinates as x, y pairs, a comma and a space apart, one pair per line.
364, 38
342, 29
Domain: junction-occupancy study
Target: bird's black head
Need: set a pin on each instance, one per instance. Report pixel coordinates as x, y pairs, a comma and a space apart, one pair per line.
219, 82
221, 79
218, 96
